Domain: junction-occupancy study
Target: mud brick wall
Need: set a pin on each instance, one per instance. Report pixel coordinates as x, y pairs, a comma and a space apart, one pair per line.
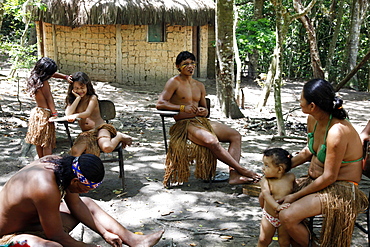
121, 53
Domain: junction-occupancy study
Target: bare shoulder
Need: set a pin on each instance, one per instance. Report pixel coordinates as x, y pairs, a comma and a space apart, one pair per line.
174, 80
264, 183
290, 176
172, 84
39, 174
340, 130
198, 83
93, 98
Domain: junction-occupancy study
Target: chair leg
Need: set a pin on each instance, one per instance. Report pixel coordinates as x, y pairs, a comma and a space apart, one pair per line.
164, 133
121, 168
310, 229
68, 133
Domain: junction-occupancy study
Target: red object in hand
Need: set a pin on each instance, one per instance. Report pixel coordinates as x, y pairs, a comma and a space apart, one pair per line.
22, 244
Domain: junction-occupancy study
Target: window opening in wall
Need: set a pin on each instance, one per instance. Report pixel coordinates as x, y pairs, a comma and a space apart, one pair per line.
156, 32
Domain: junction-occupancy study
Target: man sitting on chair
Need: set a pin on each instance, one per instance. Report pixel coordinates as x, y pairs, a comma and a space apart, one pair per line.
184, 94
82, 102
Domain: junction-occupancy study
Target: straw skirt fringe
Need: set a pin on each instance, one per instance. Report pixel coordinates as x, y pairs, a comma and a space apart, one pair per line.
40, 131
90, 138
341, 202
183, 153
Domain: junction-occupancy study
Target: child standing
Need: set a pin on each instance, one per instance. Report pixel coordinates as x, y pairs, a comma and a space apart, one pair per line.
82, 102
40, 131
276, 183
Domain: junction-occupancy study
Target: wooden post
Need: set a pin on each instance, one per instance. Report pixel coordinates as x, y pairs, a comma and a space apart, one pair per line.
55, 44
118, 54
40, 38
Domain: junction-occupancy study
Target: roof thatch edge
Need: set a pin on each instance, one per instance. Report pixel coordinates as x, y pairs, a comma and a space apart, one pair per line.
135, 12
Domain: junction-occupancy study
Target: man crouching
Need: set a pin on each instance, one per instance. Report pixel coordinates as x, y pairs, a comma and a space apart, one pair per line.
32, 206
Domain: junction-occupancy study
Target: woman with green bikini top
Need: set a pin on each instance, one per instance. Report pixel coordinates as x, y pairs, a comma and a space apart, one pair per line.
321, 155
334, 150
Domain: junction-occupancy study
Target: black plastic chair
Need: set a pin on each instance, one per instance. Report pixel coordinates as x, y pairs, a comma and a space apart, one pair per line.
164, 114
107, 112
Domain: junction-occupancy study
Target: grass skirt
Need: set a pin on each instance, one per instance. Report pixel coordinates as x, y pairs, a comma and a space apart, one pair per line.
90, 138
40, 131
341, 202
182, 153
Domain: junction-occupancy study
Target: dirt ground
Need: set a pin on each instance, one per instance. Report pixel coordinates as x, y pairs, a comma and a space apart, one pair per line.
193, 214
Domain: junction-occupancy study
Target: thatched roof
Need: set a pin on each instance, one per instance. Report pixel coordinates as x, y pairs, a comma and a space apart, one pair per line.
137, 12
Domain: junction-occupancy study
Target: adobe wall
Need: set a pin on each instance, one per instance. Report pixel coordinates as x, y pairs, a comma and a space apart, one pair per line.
120, 53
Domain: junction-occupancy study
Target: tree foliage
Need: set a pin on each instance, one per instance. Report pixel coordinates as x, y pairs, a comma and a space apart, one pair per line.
15, 33
296, 60
255, 35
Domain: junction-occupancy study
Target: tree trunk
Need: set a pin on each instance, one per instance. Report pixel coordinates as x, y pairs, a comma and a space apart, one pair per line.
317, 70
225, 58
282, 24
274, 76
339, 16
358, 9
1, 13
253, 58
238, 63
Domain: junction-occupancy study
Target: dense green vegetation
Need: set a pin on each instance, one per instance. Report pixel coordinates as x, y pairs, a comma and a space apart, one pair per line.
259, 35
15, 35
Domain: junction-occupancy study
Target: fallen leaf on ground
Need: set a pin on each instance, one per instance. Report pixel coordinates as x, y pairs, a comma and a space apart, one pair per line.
218, 202
226, 237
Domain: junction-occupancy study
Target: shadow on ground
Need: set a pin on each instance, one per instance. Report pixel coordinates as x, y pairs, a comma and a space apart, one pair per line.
193, 214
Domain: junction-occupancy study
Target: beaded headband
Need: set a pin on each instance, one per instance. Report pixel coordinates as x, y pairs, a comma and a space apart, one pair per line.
77, 171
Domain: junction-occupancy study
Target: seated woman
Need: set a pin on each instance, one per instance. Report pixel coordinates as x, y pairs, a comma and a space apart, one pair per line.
335, 153
82, 102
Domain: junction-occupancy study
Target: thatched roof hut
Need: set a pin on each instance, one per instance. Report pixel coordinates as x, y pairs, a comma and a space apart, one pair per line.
75, 13
126, 41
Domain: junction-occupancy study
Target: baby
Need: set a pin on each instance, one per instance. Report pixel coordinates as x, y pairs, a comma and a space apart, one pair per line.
276, 183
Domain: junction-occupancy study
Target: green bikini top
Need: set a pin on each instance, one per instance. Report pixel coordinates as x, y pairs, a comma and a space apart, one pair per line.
321, 154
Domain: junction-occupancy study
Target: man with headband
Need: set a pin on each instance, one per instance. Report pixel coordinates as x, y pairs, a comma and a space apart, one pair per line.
32, 209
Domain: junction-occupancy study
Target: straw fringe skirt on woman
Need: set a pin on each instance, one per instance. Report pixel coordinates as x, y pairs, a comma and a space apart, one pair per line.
40, 131
341, 202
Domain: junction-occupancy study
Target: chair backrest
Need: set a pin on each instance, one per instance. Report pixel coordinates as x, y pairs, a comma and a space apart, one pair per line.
107, 109
208, 101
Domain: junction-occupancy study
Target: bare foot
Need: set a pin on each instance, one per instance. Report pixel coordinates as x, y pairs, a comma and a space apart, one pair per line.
236, 178
147, 240
125, 139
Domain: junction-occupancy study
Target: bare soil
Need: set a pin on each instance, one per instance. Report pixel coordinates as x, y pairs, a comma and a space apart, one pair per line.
193, 214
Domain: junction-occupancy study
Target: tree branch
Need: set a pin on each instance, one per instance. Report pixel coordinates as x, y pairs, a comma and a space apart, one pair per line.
353, 72
304, 11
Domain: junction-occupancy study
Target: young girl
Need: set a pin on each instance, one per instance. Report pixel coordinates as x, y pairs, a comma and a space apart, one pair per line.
82, 102
40, 131
276, 184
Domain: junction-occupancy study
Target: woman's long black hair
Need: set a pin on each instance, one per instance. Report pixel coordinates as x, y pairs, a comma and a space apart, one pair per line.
322, 93
43, 71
